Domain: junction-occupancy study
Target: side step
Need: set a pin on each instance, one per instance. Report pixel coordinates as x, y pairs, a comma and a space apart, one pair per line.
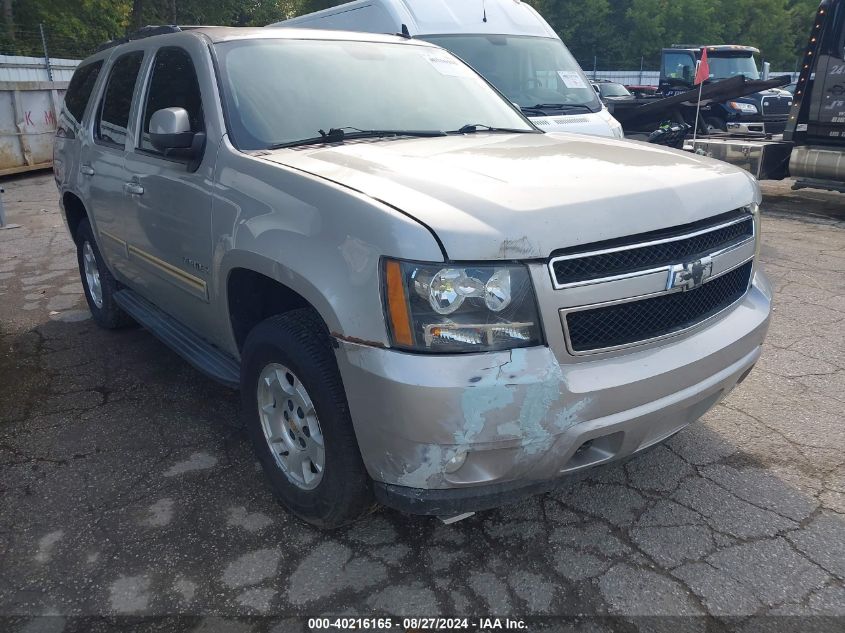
211, 361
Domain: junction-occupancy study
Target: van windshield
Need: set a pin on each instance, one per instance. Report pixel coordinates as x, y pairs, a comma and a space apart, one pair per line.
530, 71
283, 91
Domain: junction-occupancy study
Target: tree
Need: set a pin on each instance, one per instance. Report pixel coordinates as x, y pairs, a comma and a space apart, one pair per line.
137, 15
582, 25
618, 32
9, 19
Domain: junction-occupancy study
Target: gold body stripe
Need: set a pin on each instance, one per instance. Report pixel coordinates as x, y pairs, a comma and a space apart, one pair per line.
194, 282
113, 237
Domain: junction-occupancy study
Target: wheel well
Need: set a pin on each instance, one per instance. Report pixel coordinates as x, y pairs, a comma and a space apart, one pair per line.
254, 297
74, 212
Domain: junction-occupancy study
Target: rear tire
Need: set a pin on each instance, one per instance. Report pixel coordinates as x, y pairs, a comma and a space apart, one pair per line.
99, 284
298, 419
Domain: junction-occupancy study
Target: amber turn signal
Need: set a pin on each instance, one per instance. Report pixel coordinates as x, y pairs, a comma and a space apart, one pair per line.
397, 304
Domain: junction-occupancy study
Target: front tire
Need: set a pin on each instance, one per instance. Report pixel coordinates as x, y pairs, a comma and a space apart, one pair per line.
99, 284
298, 419
715, 124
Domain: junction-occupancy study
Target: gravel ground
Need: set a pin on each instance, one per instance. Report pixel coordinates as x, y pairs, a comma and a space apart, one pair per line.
129, 488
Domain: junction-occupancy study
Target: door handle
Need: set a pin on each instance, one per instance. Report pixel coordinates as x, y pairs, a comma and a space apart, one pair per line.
86, 170
133, 189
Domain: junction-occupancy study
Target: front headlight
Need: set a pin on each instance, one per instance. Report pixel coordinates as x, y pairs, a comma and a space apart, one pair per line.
442, 308
745, 108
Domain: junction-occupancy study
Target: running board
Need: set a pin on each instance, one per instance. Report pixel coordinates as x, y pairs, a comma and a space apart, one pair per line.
208, 359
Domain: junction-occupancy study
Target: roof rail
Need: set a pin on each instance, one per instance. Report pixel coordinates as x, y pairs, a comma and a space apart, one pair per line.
148, 31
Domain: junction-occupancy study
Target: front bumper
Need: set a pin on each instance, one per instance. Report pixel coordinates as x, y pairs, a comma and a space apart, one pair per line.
757, 125
450, 434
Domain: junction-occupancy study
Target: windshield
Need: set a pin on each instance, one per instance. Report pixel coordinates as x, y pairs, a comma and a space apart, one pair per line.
282, 90
529, 71
727, 67
614, 90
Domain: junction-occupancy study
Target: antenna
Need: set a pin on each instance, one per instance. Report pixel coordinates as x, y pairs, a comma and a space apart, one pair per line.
484, 8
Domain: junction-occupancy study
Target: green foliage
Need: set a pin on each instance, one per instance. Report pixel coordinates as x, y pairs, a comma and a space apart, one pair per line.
73, 27
619, 33
623, 32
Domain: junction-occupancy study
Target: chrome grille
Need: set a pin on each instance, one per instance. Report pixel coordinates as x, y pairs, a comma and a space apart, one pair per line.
638, 289
776, 105
630, 322
652, 250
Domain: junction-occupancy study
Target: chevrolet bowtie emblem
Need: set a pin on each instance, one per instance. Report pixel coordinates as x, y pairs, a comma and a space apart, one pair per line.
690, 275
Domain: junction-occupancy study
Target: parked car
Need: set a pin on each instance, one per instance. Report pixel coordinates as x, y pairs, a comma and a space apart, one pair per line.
508, 42
610, 91
641, 91
424, 300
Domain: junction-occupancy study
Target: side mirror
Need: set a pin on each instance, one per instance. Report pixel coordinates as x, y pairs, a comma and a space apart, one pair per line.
170, 129
170, 133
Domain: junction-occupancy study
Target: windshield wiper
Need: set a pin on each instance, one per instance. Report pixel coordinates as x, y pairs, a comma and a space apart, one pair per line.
566, 107
338, 135
471, 128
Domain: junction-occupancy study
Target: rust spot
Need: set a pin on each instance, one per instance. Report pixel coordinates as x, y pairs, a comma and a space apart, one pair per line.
357, 341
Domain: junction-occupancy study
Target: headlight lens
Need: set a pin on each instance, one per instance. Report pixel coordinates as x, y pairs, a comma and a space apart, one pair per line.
440, 308
618, 131
745, 108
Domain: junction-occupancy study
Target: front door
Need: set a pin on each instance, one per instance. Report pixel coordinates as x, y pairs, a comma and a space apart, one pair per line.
171, 198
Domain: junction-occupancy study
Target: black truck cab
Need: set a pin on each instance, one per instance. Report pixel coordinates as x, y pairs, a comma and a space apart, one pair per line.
759, 113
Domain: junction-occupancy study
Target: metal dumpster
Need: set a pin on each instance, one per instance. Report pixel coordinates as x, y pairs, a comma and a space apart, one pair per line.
28, 114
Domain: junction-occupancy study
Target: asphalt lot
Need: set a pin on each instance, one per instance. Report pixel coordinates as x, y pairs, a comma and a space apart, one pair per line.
129, 488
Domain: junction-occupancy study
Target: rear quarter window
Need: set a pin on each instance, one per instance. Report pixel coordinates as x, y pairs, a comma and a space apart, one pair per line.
80, 88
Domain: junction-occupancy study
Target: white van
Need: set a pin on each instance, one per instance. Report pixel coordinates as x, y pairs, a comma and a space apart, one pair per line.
506, 41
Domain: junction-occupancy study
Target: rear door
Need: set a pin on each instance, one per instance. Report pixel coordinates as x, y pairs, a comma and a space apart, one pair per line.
70, 131
101, 170
170, 199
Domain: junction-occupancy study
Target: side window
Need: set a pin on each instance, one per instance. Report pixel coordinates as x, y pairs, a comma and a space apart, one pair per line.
679, 66
173, 84
80, 88
113, 121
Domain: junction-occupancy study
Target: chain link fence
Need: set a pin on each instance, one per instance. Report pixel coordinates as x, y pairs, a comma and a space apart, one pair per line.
41, 42
644, 72
57, 50
39, 55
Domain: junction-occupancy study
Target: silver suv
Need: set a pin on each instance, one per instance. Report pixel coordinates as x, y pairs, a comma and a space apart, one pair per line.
424, 300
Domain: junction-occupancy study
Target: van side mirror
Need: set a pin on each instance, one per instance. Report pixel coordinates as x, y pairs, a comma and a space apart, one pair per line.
171, 134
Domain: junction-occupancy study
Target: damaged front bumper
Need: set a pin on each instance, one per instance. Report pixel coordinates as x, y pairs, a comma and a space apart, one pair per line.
449, 434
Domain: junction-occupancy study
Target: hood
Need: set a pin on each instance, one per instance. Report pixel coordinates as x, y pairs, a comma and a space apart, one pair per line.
523, 196
774, 92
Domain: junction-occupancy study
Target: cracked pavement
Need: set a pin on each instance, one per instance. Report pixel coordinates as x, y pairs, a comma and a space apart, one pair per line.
129, 487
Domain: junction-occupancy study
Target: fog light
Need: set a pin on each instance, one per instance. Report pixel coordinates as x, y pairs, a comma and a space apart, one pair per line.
454, 464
